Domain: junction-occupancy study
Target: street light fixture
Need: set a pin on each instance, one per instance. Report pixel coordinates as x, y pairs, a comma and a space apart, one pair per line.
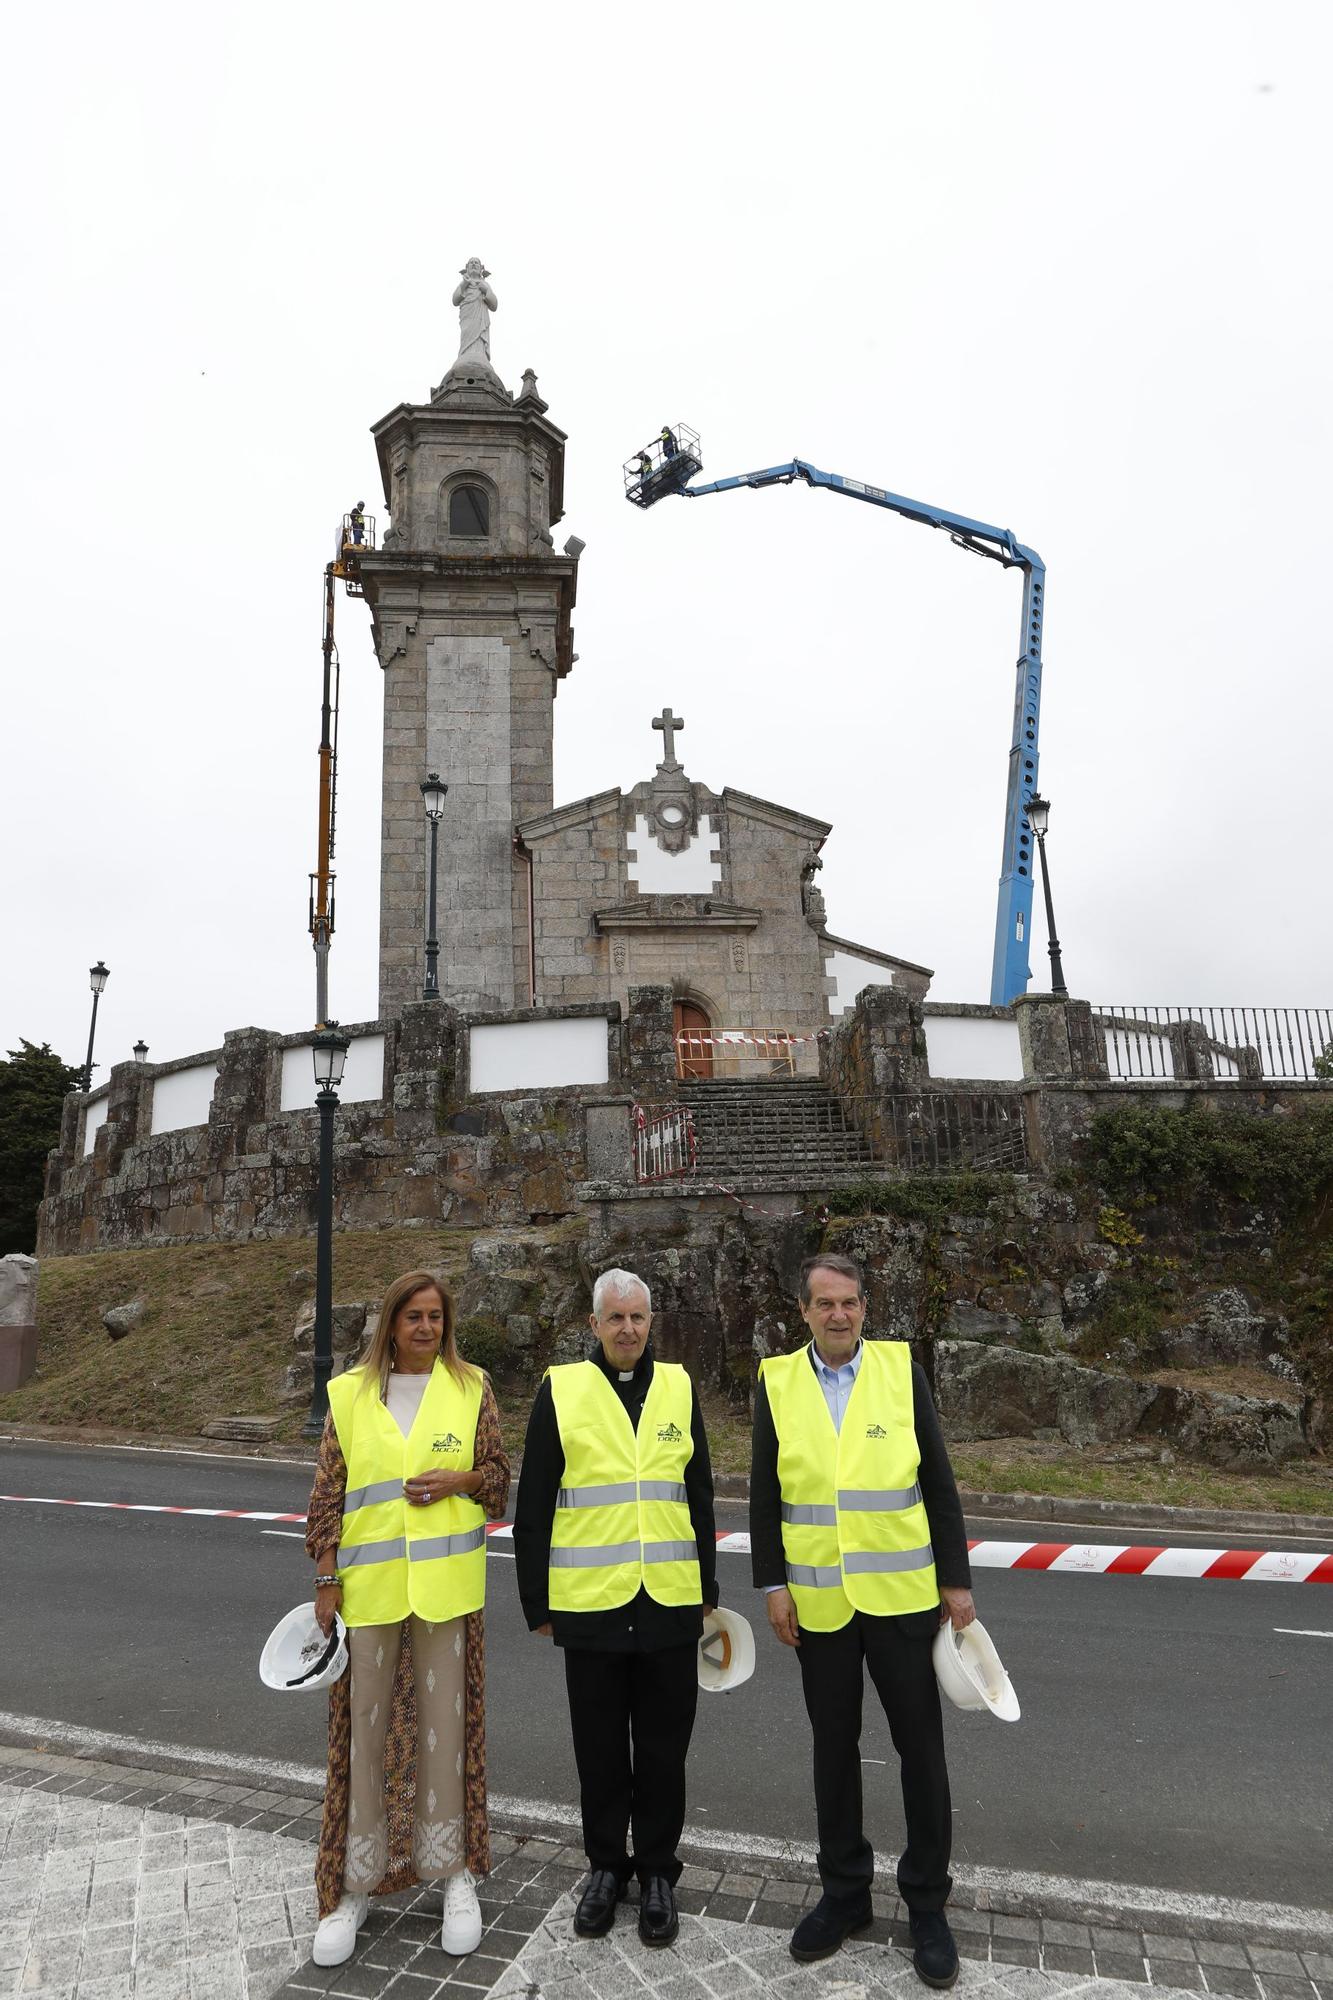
433, 792
1039, 815
141, 1050
329, 1050
97, 979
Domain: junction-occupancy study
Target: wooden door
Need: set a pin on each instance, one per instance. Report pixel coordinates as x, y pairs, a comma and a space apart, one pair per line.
694, 1057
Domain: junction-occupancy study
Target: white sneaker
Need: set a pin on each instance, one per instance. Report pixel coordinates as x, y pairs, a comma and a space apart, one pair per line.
335, 1939
460, 1932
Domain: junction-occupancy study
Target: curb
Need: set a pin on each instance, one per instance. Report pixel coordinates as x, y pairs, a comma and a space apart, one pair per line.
736, 1486
1130, 1907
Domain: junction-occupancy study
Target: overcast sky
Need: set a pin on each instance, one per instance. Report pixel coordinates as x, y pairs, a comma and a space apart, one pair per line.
1058, 267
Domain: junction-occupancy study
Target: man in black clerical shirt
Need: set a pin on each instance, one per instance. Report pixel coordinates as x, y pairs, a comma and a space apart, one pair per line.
614, 1522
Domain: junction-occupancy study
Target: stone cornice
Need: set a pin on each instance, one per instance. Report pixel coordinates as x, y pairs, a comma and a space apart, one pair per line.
578, 814
659, 913
801, 824
876, 957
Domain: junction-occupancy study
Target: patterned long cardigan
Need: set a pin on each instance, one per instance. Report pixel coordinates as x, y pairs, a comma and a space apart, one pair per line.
323, 1531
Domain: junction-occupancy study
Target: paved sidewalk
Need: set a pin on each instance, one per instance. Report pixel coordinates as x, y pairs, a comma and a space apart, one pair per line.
120, 1882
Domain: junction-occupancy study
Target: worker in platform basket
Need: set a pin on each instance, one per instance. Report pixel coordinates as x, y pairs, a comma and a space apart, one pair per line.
410, 1468
358, 522
645, 467
857, 1537
668, 442
616, 1558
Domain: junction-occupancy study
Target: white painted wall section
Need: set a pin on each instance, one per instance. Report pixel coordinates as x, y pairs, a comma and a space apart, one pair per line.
363, 1075
182, 1098
973, 1048
851, 974
538, 1055
94, 1120
654, 872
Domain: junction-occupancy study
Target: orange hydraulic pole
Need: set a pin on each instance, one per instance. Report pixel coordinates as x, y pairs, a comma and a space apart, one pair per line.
321, 881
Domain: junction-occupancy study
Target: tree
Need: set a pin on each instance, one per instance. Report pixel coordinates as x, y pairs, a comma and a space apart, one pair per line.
33, 1085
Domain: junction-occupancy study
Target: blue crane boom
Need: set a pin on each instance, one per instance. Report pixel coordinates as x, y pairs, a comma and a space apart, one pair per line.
1010, 970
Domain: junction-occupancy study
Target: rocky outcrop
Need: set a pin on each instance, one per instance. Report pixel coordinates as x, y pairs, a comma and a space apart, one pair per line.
995, 1391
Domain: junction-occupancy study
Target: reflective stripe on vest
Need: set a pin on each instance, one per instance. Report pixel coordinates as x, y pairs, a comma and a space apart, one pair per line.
397, 1558
622, 1519
854, 1527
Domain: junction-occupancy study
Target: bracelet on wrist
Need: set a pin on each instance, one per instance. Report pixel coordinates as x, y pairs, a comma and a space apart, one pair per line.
322, 1582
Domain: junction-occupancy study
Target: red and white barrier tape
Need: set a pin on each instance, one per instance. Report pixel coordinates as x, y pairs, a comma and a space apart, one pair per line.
1089, 1558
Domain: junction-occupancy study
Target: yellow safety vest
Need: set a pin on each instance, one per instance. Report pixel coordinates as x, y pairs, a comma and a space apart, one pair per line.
621, 1516
394, 1558
854, 1529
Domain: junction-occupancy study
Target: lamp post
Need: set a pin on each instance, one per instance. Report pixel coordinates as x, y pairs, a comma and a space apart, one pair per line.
330, 1054
141, 1050
97, 979
432, 794
1039, 814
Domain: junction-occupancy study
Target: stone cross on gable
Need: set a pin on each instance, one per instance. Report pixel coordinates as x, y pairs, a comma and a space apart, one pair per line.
668, 724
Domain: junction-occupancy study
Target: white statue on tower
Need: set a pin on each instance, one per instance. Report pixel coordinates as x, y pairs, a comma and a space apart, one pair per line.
476, 302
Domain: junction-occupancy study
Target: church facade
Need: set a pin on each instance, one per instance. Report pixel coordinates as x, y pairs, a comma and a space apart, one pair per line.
712, 893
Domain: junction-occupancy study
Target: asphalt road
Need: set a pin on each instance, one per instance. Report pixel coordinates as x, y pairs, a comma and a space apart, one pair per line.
1170, 1734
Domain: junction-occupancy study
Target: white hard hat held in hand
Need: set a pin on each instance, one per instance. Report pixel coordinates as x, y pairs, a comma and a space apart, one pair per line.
298, 1657
971, 1673
726, 1651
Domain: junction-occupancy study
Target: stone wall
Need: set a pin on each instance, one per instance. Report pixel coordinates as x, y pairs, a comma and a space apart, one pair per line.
426, 1152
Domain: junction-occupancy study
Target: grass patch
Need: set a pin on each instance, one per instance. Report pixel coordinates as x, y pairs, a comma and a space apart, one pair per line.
216, 1333
1012, 1465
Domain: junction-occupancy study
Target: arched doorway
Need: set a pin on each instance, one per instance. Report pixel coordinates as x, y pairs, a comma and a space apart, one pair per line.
694, 1053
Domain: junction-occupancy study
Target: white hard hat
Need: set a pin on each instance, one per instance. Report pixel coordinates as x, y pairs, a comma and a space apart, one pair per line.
726, 1651
298, 1658
969, 1670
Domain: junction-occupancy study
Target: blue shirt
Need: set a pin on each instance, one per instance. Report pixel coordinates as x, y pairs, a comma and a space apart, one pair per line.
837, 1383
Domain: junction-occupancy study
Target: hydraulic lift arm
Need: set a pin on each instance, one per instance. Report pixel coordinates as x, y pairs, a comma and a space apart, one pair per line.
1010, 971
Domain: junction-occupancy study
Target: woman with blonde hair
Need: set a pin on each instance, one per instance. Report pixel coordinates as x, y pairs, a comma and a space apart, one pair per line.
410, 1468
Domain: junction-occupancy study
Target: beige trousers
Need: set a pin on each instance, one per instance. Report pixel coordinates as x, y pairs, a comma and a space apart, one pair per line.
439, 1668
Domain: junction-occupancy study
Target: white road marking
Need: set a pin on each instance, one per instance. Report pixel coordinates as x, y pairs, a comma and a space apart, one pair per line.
991, 1888
1302, 1632
287, 1534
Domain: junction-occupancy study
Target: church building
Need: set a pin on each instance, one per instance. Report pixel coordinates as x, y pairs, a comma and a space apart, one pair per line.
713, 893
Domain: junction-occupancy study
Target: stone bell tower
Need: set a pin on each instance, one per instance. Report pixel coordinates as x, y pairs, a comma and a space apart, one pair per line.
471, 611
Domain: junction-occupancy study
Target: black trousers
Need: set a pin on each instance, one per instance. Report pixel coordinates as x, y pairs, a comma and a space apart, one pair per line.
897, 1653
632, 1715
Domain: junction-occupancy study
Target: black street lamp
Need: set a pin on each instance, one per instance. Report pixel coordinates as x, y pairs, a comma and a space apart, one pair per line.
330, 1053
97, 979
432, 794
141, 1050
1039, 814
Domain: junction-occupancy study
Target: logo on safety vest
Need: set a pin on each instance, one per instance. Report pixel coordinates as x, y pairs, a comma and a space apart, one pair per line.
876, 1431
669, 1434
447, 1443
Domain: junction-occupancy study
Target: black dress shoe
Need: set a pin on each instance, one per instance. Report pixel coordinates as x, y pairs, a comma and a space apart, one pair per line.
936, 1954
822, 1930
658, 1920
596, 1910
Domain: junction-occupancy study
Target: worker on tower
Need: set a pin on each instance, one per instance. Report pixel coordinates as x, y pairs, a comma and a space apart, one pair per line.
616, 1557
668, 442
357, 522
857, 1538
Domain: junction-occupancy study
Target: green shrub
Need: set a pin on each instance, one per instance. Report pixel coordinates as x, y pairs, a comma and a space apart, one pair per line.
1140, 1154
483, 1341
922, 1197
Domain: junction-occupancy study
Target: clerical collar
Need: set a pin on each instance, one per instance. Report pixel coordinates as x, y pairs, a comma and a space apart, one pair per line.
612, 1374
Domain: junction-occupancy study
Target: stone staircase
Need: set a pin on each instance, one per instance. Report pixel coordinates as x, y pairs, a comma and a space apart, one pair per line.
788, 1128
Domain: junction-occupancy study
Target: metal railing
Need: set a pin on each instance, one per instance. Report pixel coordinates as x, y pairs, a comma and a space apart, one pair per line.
1253, 1043
664, 1143
824, 1137
728, 1052
943, 1131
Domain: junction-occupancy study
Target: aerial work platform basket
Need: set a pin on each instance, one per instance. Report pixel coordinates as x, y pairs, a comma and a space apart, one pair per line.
664, 466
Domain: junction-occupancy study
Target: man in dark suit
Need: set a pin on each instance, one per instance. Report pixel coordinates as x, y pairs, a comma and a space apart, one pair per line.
857, 1539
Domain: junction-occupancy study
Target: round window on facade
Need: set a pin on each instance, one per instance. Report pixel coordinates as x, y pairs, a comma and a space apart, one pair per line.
470, 512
